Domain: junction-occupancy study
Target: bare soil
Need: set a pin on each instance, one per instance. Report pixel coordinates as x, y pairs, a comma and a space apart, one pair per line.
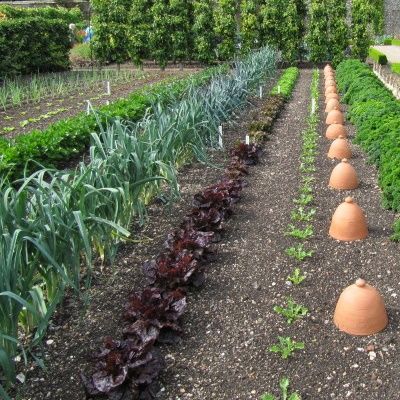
230, 323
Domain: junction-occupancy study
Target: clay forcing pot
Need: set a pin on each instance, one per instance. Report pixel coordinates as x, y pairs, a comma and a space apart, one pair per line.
329, 82
360, 310
330, 89
332, 104
329, 75
344, 176
339, 149
331, 96
327, 68
348, 222
335, 130
335, 117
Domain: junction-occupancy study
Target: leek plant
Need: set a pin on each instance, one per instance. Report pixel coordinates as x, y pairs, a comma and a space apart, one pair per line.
54, 223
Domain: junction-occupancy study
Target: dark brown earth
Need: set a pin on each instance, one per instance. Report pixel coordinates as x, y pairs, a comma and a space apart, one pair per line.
74, 103
230, 323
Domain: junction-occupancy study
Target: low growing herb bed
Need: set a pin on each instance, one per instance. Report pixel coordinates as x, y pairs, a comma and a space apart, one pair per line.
376, 114
153, 315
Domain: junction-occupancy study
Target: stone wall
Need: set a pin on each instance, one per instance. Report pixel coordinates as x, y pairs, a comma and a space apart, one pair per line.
392, 17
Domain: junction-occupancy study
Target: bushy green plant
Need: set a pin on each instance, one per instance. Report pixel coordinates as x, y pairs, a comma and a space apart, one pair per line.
292, 312
395, 67
203, 31
225, 28
250, 25
286, 82
362, 15
338, 31
286, 347
139, 26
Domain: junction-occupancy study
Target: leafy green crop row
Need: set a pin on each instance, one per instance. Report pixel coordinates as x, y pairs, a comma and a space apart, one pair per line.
71, 136
286, 82
376, 114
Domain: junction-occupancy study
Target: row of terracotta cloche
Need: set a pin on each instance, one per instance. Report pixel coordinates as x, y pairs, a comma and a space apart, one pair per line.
360, 309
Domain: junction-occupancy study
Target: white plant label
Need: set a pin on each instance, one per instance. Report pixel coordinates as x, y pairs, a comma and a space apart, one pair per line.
247, 139
88, 107
108, 88
279, 88
313, 106
261, 92
221, 145
107, 102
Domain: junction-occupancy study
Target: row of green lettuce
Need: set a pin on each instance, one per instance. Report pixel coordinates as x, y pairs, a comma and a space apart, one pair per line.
376, 114
69, 137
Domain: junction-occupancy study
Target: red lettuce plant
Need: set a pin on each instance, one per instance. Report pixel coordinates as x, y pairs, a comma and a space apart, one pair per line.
123, 366
248, 153
155, 309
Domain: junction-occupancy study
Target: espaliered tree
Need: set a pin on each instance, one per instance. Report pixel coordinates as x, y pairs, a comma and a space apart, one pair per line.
203, 31
160, 34
110, 25
180, 12
138, 30
338, 30
318, 32
362, 29
282, 27
250, 25
225, 28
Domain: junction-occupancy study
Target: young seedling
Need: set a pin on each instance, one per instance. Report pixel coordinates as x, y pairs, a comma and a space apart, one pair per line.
301, 214
307, 169
296, 277
299, 252
304, 199
284, 386
306, 189
292, 312
286, 346
299, 233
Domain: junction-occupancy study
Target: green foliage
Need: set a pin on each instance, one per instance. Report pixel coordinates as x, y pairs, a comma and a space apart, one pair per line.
284, 386
286, 82
376, 114
304, 199
70, 136
299, 252
180, 29
377, 56
138, 30
286, 347
292, 312
296, 277
282, 27
362, 15
203, 31
160, 38
299, 233
110, 26
250, 25
338, 31
318, 31
225, 28
32, 44
395, 67
72, 15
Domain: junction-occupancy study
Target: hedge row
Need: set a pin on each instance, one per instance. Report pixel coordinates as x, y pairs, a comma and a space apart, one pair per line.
33, 44
395, 68
377, 56
73, 15
376, 114
70, 137
393, 42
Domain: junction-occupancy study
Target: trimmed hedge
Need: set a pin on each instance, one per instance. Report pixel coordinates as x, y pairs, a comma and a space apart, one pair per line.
70, 137
73, 15
376, 114
33, 44
395, 68
377, 56
393, 42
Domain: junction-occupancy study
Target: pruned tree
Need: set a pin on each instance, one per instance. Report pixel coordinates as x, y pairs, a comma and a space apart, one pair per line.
160, 34
250, 25
225, 28
203, 31
362, 28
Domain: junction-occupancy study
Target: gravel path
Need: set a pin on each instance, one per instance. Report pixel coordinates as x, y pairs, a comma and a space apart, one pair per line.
392, 53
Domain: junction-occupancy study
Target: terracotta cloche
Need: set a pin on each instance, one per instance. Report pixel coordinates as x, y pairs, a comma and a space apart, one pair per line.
344, 176
331, 96
334, 117
360, 310
348, 222
327, 68
339, 149
332, 104
329, 75
335, 130
330, 89
329, 82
